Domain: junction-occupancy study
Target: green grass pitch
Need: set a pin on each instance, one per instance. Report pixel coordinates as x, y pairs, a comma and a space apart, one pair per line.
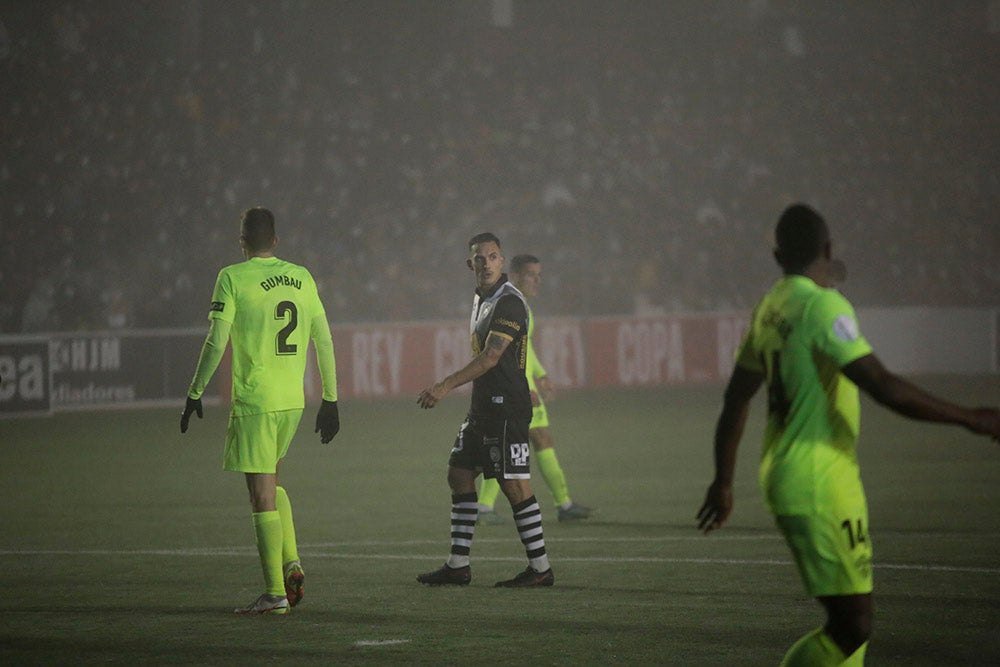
124, 542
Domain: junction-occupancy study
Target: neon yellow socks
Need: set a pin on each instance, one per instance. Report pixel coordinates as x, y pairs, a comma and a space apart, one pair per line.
289, 548
817, 649
857, 658
488, 492
553, 474
267, 528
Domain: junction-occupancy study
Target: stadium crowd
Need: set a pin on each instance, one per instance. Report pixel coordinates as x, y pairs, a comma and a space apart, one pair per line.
643, 156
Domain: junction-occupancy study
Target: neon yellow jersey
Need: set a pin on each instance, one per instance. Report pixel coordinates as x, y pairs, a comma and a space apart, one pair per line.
800, 336
533, 367
271, 304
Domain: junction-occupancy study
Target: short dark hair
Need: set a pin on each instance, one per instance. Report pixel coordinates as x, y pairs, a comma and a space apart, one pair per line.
800, 236
484, 237
520, 261
257, 228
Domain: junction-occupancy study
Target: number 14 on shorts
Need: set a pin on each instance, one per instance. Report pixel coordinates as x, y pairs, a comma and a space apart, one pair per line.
855, 531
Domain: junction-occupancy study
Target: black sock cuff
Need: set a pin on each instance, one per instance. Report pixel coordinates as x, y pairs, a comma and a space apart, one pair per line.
523, 505
464, 498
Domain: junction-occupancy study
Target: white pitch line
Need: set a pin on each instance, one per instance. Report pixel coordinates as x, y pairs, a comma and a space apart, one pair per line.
571, 559
663, 559
216, 551
561, 540
246, 551
381, 642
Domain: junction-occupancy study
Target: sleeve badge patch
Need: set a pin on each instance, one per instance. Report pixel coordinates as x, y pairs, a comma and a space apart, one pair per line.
845, 328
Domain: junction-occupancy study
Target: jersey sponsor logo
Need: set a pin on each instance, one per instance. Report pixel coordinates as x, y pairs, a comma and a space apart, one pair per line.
275, 281
218, 306
498, 400
845, 328
508, 323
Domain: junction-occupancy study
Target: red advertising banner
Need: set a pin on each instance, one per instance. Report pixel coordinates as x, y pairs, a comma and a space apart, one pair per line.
48, 372
559, 344
647, 351
376, 361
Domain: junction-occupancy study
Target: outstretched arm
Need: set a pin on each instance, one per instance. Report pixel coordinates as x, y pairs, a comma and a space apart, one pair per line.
480, 364
743, 384
906, 399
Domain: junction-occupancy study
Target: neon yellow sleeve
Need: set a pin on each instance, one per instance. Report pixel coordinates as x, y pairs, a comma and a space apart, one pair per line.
533, 367
832, 318
325, 359
211, 355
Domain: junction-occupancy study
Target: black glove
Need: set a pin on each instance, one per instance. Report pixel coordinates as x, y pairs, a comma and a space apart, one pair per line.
327, 421
192, 405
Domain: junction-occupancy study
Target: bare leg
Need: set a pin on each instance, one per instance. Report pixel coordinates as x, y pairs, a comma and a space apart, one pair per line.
262, 487
849, 620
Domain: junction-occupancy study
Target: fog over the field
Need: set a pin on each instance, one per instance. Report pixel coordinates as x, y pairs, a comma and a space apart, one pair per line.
642, 149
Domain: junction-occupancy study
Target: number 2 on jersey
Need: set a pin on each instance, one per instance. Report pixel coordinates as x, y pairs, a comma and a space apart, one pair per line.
286, 310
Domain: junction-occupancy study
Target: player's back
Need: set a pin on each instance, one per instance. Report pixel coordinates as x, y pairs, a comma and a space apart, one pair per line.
799, 339
274, 303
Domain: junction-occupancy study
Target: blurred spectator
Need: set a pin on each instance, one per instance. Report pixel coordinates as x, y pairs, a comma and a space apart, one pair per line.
643, 153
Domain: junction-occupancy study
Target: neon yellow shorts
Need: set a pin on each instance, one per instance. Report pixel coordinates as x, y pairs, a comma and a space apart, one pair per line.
255, 443
831, 549
539, 415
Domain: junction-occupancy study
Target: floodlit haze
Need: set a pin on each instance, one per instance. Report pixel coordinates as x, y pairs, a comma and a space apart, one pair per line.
642, 149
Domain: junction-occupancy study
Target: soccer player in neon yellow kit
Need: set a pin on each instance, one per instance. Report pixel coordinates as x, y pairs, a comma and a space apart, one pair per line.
526, 274
270, 309
805, 344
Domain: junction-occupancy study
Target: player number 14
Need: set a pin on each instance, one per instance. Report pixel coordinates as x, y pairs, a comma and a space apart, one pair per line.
854, 536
